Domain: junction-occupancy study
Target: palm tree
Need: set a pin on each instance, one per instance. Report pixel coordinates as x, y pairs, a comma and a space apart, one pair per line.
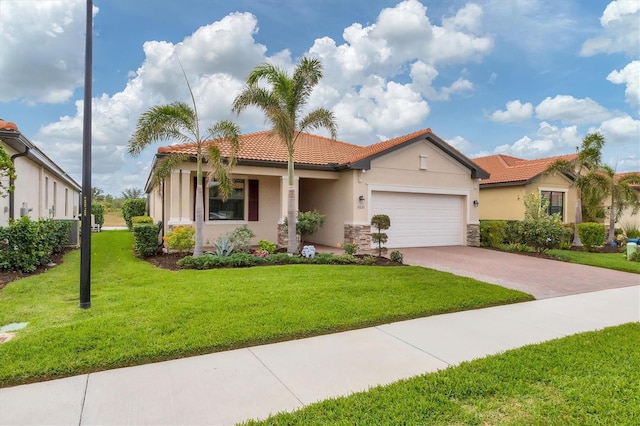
619, 192
583, 168
179, 122
283, 104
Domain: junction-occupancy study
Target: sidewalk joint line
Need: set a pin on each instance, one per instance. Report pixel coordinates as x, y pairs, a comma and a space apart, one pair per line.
276, 377
412, 345
84, 398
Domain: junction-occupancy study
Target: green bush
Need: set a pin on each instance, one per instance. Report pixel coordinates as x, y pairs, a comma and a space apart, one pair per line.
97, 210
513, 231
133, 207
27, 244
139, 220
146, 239
632, 232
241, 238
592, 235
396, 256
566, 241
267, 246
350, 248
543, 233
492, 232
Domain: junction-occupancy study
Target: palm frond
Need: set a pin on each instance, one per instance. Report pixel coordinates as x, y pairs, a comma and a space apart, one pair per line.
320, 118
219, 171
174, 121
228, 132
165, 166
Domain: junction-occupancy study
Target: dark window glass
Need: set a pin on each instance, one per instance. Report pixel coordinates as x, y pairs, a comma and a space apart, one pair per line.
556, 202
233, 208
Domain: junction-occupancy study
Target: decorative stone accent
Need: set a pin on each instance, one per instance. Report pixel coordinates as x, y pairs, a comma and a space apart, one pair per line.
473, 235
358, 234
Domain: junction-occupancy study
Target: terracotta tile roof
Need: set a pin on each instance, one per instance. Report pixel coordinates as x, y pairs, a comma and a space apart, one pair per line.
310, 149
7, 125
506, 169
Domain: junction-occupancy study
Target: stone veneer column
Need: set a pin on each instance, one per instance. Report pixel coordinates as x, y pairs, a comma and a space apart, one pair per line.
473, 235
358, 234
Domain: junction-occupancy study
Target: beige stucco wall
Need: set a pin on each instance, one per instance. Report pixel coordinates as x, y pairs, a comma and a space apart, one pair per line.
402, 171
505, 202
43, 192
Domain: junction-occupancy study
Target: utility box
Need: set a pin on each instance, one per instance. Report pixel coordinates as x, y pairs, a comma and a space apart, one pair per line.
74, 232
631, 249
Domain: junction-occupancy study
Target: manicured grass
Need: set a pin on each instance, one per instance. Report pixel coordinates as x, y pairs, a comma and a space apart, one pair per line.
141, 313
616, 261
587, 379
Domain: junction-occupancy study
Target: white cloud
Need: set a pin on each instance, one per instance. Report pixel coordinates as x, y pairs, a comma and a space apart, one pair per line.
45, 63
460, 143
516, 111
623, 130
571, 110
549, 140
621, 30
629, 75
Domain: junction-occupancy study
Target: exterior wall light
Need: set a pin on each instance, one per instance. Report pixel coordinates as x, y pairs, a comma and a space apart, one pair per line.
361, 198
476, 203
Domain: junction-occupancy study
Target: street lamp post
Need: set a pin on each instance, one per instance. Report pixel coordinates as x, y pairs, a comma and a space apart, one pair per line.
85, 245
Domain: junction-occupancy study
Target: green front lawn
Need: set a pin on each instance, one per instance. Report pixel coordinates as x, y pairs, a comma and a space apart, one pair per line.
141, 313
586, 379
616, 261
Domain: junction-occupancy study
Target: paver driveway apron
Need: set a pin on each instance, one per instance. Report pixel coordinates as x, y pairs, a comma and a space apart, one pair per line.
541, 278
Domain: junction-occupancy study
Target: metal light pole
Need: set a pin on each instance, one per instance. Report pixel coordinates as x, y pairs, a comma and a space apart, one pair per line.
85, 245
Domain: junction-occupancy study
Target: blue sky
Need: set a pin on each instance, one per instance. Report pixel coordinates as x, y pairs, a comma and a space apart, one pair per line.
528, 78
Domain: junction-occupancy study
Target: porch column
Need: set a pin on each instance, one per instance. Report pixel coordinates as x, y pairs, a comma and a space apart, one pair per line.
186, 197
174, 198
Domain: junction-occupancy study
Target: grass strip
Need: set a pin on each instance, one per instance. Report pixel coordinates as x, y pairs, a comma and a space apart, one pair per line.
615, 261
141, 313
586, 379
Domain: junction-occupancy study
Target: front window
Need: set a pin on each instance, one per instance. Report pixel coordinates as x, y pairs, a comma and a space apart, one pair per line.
556, 202
233, 208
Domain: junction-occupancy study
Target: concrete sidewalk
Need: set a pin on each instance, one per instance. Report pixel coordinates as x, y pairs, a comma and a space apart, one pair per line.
233, 386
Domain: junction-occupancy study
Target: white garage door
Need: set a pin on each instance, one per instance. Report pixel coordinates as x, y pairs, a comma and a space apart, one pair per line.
420, 220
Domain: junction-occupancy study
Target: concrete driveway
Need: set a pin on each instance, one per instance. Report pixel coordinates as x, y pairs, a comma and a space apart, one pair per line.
542, 278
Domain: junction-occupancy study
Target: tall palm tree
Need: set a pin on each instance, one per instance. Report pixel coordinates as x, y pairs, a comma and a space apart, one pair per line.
583, 168
179, 122
283, 104
617, 191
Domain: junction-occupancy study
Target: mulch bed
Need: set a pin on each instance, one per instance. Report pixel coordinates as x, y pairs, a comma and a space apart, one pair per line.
170, 260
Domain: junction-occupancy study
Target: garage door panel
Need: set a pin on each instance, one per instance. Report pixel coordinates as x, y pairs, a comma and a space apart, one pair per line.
420, 220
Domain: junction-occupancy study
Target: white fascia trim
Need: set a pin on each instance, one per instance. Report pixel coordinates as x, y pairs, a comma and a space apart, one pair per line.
419, 190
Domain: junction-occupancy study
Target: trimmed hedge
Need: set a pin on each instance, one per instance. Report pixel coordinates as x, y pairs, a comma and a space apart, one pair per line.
97, 210
146, 239
239, 260
133, 207
27, 244
492, 232
592, 235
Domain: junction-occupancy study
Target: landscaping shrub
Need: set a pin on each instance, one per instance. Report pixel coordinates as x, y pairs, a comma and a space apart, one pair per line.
97, 210
592, 235
146, 239
308, 223
492, 232
566, 241
133, 207
631, 231
27, 244
181, 238
139, 220
223, 246
396, 256
513, 231
241, 238
544, 233
267, 246
350, 248
380, 222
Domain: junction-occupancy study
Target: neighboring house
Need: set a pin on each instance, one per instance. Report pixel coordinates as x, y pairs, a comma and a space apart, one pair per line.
426, 187
628, 219
512, 178
42, 188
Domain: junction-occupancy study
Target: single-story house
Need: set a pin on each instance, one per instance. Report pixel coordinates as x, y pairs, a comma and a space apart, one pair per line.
42, 188
512, 178
427, 188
